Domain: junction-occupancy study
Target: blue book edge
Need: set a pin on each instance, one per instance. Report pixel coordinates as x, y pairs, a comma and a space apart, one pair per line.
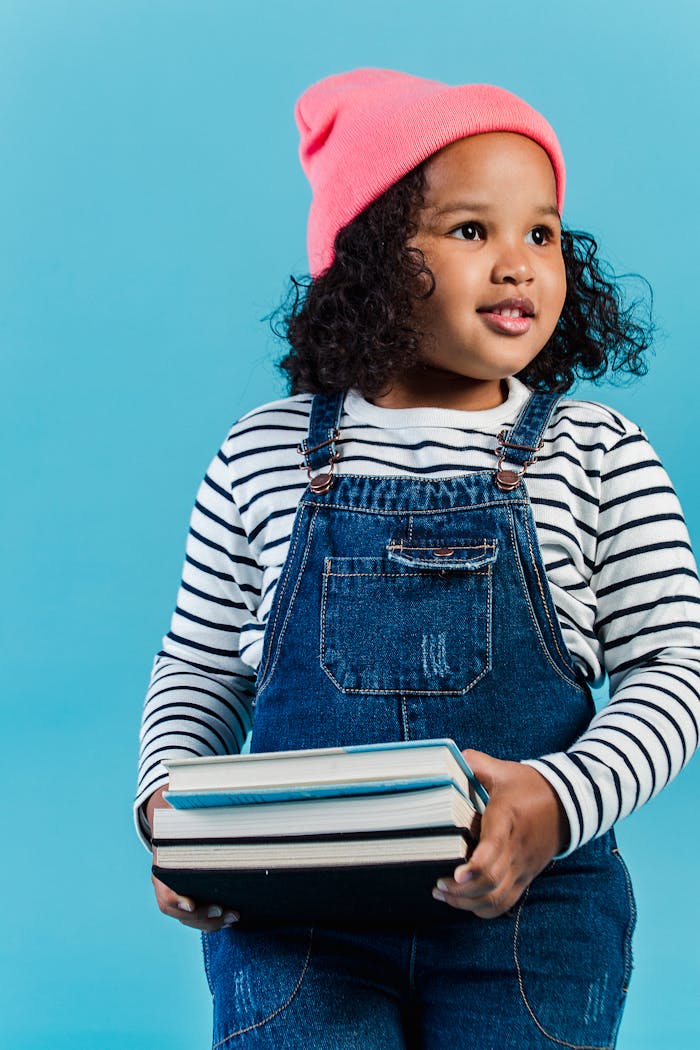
188, 800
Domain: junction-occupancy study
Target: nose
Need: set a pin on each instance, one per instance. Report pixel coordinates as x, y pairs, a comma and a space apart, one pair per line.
512, 265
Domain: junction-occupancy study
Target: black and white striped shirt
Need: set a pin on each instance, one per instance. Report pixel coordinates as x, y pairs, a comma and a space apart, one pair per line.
614, 543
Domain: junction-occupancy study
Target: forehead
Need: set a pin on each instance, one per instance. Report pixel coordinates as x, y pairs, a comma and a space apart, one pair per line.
490, 164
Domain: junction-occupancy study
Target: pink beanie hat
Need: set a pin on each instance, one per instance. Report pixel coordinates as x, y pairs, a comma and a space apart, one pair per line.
363, 131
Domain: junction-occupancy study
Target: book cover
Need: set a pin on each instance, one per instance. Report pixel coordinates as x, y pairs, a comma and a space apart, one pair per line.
378, 894
324, 772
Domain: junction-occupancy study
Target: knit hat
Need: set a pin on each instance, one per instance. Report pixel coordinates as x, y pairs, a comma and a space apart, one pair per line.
363, 131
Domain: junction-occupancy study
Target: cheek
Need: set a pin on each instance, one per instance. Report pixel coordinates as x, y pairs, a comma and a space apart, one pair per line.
457, 286
557, 289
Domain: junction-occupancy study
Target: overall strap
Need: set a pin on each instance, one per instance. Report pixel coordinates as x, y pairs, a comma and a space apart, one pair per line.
521, 444
319, 446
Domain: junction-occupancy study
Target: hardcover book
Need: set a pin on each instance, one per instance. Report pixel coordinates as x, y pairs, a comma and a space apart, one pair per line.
328, 836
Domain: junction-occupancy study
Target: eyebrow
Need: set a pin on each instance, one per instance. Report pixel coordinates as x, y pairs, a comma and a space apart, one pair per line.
547, 209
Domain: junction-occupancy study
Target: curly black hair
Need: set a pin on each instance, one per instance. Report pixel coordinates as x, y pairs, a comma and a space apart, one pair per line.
352, 326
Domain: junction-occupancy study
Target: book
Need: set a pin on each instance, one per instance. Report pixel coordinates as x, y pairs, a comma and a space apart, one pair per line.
327, 852
436, 807
380, 895
377, 881
332, 835
284, 775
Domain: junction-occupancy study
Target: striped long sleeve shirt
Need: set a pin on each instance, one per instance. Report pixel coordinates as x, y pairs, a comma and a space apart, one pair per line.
616, 552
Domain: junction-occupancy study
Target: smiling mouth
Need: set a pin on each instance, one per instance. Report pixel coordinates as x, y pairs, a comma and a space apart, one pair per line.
509, 322
520, 307
506, 313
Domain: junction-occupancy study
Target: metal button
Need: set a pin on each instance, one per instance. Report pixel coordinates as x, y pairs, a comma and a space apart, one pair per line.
443, 552
508, 480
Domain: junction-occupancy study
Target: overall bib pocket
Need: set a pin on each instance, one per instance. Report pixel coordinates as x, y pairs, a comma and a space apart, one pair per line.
414, 620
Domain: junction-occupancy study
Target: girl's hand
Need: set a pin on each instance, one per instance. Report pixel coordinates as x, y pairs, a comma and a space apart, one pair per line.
207, 917
523, 827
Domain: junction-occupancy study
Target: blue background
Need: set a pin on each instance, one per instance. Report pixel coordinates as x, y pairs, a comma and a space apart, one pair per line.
151, 209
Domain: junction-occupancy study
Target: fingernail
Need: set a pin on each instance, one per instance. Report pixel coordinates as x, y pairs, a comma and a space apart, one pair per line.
438, 896
463, 875
229, 918
213, 911
441, 884
184, 905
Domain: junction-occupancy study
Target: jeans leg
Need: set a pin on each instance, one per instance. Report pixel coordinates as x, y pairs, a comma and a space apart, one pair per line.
552, 973
301, 988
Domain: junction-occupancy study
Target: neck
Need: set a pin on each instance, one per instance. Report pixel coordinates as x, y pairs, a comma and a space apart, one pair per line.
430, 390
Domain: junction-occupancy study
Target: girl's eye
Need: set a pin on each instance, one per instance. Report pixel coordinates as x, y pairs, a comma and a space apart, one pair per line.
468, 231
540, 235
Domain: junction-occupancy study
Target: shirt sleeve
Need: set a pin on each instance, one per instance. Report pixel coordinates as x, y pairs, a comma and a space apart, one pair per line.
199, 699
648, 622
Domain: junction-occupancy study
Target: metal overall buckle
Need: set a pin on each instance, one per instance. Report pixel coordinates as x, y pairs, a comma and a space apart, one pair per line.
320, 482
507, 480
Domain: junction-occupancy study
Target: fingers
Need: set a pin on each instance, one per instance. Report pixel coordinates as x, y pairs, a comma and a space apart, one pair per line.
206, 917
488, 884
487, 893
523, 826
483, 895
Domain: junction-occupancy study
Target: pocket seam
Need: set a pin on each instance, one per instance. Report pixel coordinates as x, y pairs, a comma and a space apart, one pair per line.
632, 920
280, 1009
523, 996
403, 575
403, 691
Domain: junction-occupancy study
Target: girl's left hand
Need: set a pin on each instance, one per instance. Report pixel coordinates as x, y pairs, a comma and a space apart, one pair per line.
523, 827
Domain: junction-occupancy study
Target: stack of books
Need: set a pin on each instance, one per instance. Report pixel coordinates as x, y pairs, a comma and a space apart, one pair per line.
320, 836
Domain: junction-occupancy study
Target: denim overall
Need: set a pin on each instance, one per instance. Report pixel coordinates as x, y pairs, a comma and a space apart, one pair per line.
406, 609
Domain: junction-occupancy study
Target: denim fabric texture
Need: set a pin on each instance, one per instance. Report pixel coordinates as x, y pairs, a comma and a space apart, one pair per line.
410, 609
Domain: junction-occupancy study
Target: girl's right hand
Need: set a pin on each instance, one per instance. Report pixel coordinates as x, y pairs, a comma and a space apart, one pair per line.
207, 917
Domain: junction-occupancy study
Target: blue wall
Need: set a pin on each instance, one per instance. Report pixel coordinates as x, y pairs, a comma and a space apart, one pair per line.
151, 209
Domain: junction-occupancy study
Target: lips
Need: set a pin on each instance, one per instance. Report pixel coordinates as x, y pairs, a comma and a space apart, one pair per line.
521, 307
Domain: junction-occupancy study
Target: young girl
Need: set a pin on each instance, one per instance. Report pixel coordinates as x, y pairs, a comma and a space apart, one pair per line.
468, 555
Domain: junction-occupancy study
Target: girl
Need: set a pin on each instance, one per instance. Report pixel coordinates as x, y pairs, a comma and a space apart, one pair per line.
470, 555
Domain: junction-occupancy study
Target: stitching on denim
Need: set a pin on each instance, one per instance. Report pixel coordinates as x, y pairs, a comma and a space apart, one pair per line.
552, 627
401, 546
277, 645
631, 922
280, 1009
487, 474
433, 510
533, 615
404, 719
207, 963
279, 590
407, 692
489, 626
322, 632
399, 575
412, 962
545, 1033
414, 555
411, 692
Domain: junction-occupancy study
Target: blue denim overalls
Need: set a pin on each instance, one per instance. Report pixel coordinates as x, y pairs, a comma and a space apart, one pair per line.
407, 609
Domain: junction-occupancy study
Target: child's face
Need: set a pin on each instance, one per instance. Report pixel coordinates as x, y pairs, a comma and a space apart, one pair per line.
490, 231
